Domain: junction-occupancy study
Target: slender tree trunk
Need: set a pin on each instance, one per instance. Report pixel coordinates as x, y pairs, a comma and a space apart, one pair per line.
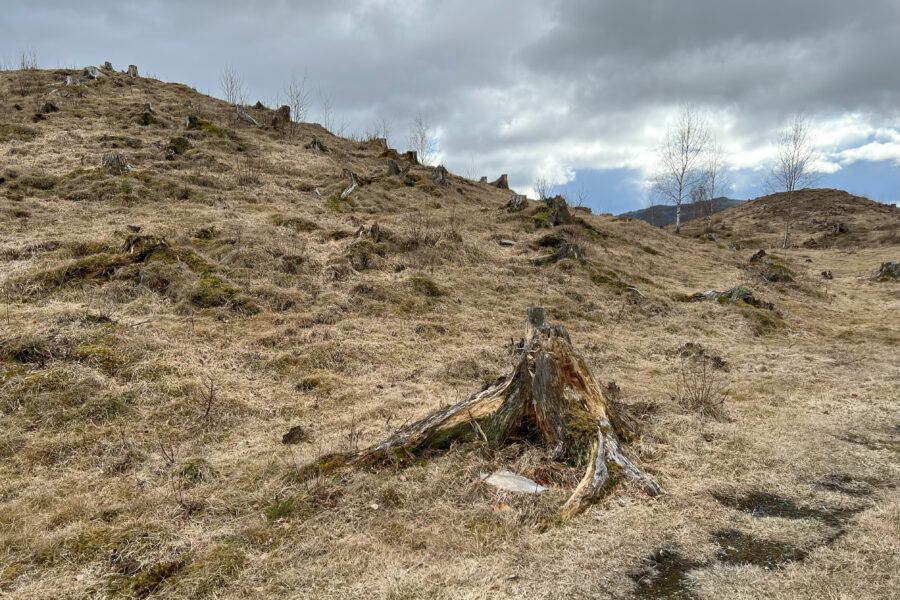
678, 217
787, 221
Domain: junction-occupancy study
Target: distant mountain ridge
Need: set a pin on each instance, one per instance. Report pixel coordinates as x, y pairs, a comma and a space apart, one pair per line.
661, 215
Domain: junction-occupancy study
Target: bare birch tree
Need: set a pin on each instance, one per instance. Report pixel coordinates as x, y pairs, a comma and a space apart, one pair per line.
231, 84
793, 166
421, 139
715, 176
680, 158
297, 98
542, 188
327, 110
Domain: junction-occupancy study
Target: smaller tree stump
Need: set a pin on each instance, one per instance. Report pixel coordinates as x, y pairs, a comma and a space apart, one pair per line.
132, 71
440, 176
115, 164
501, 182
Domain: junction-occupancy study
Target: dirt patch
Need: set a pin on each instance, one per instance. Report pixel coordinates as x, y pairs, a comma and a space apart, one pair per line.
740, 548
664, 574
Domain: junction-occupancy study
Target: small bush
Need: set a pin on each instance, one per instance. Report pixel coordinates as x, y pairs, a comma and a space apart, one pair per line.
699, 386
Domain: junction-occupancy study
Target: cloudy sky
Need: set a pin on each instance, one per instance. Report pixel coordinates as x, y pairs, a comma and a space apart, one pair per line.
578, 92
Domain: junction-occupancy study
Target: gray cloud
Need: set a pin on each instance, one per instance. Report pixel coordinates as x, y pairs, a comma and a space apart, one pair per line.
523, 87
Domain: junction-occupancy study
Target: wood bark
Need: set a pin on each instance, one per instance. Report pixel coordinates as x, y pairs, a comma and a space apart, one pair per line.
550, 397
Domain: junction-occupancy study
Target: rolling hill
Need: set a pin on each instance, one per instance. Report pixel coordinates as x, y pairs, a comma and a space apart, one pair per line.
197, 309
661, 215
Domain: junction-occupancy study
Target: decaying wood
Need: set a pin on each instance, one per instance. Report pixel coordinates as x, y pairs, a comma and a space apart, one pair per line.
516, 203
501, 182
115, 164
243, 115
550, 397
315, 144
354, 183
566, 250
132, 70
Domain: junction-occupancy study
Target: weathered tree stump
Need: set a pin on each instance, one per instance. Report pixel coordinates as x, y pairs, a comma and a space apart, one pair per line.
516, 203
888, 270
501, 182
92, 72
440, 175
354, 183
392, 167
281, 117
115, 164
550, 398
132, 70
315, 144
243, 115
108, 66
565, 250
72, 80
559, 211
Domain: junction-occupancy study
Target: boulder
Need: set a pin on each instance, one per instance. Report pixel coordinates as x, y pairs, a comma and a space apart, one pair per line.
501, 182
92, 73
132, 70
115, 164
888, 270
440, 175
245, 116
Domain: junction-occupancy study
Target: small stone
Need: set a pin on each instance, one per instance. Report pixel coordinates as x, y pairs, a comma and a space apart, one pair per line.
509, 481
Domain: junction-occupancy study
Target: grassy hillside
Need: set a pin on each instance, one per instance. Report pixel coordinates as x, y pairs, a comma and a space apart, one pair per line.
823, 218
161, 331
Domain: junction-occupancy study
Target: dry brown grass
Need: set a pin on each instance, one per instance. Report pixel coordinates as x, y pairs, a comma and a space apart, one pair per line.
115, 482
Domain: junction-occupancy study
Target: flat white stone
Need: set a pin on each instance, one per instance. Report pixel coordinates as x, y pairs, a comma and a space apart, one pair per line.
509, 481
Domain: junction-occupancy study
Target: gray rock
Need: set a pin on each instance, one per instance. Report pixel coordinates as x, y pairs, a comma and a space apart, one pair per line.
510, 482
